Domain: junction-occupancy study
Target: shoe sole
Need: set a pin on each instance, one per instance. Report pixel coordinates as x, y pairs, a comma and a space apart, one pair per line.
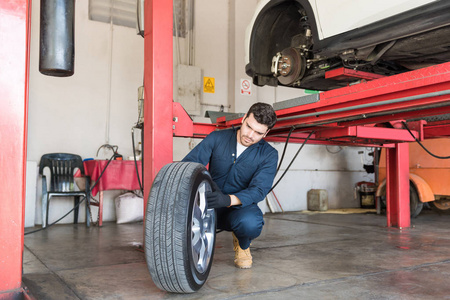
249, 267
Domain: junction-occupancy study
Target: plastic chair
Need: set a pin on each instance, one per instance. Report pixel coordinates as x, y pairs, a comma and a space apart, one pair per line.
62, 167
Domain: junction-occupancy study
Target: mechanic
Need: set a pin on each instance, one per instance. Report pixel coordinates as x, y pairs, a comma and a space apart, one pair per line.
242, 166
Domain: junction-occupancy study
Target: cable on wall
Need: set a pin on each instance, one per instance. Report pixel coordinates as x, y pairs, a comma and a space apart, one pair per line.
108, 98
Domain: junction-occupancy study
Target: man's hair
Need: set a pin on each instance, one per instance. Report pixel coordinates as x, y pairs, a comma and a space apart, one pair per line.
263, 113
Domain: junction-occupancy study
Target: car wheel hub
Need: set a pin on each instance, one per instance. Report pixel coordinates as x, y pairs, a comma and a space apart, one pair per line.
289, 66
203, 227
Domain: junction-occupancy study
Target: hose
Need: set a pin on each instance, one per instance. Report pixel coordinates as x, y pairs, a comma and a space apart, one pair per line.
292, 161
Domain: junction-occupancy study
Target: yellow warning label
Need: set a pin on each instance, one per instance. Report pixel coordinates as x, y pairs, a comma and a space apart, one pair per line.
208, 84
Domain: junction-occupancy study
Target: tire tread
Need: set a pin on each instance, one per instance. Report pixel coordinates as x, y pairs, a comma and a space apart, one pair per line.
165, 227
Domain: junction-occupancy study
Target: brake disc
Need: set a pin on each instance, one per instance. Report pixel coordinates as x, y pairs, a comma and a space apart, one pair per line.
289, 66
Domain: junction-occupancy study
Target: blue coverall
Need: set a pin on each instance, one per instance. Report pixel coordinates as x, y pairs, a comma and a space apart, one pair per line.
249, 177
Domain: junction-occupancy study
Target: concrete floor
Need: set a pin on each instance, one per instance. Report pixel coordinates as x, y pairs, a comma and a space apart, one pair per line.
298, 256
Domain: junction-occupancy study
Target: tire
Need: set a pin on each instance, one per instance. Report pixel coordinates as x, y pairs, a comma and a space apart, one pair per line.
415, 205
441, 206
180, 231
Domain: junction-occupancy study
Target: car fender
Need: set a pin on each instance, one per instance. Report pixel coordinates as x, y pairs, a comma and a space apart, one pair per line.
259, 7
422, 187
248, 30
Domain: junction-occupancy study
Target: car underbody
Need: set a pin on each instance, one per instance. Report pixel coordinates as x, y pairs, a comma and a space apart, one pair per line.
285, 48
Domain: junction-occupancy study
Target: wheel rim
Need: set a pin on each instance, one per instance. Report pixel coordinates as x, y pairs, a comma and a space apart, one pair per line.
203, 229
442, 204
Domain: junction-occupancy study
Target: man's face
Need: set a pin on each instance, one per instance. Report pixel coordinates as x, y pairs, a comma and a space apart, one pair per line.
251, 131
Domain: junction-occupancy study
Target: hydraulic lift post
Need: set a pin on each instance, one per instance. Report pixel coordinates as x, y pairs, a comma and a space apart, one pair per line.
14, 58
158, 82
397, 186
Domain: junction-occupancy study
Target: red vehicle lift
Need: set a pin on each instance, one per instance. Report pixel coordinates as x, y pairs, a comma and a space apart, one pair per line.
366, 114
354, 115
14, 41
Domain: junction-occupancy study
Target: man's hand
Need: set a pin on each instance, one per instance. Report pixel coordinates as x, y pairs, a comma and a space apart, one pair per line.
217, 199
215, 187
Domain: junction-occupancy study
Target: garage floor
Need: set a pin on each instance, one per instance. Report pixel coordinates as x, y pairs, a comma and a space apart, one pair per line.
298, 256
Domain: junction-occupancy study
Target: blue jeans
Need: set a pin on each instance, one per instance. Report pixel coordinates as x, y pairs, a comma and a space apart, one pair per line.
246, 222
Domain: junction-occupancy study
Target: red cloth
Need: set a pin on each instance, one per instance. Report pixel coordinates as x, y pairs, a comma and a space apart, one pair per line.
119, 175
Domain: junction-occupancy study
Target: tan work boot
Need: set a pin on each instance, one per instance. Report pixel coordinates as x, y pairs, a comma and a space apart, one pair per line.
242, 258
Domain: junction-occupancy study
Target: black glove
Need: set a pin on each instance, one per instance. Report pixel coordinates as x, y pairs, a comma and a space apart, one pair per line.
217, 199
214, 186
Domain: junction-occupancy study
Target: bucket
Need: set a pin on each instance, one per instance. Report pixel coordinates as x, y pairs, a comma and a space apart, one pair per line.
366, 194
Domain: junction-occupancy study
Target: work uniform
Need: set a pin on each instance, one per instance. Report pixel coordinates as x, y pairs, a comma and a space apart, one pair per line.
249, 177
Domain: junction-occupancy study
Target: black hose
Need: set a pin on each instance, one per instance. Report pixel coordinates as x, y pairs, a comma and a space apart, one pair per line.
284, 150
135, 163
421, 145
292, 161
76, 206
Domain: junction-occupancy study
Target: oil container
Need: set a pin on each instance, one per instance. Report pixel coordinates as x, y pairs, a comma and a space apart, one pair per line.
317, 200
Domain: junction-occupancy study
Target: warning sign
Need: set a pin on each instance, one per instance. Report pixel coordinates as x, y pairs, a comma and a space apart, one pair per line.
208, 84
246, 87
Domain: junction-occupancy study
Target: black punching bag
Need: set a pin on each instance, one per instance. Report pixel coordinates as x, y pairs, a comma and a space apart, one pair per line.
56, 49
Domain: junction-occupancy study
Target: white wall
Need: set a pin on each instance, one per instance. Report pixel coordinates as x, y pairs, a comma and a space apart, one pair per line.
71, 114
331, 168
211, 47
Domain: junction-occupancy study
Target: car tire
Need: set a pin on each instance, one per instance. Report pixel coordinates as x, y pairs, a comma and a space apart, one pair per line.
180, 230
441, 206
415, 205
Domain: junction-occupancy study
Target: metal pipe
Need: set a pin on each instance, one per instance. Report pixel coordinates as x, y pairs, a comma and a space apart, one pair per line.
56, 46
392, 101
366, 116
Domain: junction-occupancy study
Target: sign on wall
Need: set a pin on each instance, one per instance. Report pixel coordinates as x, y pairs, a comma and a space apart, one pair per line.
246, 87
208, 84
